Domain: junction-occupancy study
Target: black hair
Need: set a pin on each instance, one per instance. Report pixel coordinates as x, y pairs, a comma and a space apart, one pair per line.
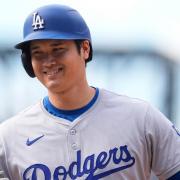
78, 43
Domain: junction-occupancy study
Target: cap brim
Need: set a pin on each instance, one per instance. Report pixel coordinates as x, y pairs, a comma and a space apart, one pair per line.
49, 35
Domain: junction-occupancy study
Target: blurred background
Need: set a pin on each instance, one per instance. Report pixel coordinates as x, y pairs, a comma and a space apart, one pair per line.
136, 52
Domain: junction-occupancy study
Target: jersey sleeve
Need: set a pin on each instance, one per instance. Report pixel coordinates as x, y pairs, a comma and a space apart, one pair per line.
163, 141
3, 165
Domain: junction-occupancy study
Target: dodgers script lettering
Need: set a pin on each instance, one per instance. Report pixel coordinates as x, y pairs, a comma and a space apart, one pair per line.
93, 167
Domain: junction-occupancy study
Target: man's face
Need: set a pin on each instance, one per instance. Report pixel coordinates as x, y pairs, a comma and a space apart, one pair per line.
57, 63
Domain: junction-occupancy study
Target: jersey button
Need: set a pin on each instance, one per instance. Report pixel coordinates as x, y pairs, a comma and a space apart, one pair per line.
74, 146
72, 131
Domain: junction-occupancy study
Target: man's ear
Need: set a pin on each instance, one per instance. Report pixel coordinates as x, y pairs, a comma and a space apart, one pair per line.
85, 49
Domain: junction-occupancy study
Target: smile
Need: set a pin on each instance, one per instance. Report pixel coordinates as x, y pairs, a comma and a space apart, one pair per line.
53, 72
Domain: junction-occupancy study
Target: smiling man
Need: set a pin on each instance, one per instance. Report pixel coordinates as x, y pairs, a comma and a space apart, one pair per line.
60, 67
78, 131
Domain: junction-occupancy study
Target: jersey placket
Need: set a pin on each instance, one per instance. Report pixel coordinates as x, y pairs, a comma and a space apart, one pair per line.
73, 143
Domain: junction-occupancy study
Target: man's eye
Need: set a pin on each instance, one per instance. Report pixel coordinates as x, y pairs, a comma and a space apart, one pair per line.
58, 49
35, 53
38, 55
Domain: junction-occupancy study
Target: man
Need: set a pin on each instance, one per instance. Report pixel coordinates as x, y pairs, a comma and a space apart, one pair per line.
79, 131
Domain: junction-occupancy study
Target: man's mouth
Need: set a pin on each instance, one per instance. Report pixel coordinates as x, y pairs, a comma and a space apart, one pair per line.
53, 72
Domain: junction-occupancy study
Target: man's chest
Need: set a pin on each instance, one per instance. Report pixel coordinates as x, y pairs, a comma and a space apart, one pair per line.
74, 155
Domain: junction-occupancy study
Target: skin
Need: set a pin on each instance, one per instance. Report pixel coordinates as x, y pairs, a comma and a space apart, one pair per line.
61, 69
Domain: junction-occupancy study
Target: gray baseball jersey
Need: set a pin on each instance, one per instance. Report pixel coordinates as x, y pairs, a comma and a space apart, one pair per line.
117, 138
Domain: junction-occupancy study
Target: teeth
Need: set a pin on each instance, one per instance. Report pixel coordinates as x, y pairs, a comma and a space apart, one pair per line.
50, 73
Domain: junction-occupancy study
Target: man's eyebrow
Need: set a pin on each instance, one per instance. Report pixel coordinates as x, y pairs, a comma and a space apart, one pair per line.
34, 48
57, 43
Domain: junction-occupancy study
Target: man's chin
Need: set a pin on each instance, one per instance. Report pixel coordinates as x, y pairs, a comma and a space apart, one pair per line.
53, 86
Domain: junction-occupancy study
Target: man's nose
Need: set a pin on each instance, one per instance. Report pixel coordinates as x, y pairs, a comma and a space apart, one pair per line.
49, 60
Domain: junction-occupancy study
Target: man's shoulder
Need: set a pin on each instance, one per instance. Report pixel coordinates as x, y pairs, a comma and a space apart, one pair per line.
116, 99
21, 117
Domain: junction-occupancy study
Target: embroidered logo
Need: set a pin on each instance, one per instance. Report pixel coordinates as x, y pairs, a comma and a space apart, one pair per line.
30, 142
91, 167
38, 21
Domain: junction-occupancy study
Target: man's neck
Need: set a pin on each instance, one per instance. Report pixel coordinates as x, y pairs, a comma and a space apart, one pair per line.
72, 99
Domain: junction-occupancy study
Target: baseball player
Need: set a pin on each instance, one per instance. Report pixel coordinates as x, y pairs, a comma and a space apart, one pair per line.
78, 131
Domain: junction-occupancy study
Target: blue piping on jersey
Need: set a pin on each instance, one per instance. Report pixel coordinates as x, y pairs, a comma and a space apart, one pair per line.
68, 114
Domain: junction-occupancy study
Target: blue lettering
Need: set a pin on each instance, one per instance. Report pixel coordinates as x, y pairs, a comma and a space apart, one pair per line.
115, 159
109, 172
60, 171
90, 165
76, 167
100, 162
34, 168
125, 155
105, 163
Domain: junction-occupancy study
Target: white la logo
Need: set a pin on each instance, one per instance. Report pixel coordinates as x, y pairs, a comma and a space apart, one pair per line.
38, 22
